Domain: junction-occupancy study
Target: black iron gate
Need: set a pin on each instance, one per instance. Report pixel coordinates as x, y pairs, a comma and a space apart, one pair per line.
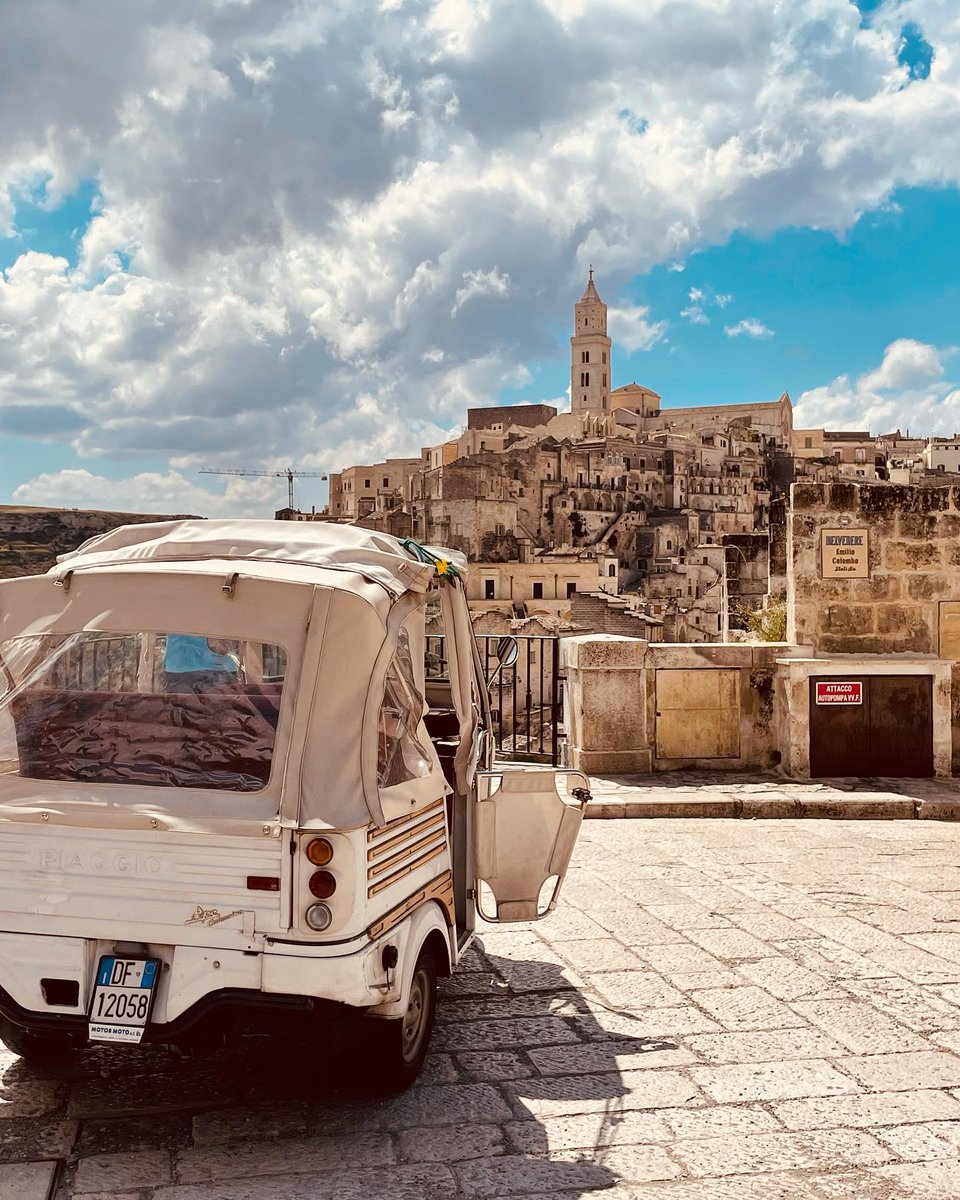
526, 699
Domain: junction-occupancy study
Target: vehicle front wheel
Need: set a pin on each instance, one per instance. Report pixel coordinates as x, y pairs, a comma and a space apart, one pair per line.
42, 1049
399, 1046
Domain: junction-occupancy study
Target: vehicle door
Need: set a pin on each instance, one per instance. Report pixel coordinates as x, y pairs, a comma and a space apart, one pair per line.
526, 829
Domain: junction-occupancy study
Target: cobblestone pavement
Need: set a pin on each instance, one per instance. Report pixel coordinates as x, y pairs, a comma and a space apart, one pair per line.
718, 1010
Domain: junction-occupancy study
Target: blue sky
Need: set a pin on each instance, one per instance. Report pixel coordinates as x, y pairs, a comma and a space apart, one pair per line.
290, 233
895, 274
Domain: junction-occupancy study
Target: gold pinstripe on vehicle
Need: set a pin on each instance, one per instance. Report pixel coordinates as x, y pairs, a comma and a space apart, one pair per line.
404, 846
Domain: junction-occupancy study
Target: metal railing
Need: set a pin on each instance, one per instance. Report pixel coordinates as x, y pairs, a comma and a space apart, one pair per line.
526, 699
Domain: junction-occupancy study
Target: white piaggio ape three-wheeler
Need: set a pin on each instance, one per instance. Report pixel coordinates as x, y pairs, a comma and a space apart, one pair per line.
227, 788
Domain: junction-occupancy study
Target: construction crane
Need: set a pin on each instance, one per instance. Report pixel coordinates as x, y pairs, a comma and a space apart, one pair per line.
289, 474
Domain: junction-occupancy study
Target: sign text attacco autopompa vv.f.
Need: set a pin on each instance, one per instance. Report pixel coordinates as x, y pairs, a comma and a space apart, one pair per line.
844, 554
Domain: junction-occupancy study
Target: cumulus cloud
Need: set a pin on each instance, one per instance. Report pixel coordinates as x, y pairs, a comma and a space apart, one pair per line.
148, 492
322, 229
748, 327
908, 390
480, 283
631, 329
907, 364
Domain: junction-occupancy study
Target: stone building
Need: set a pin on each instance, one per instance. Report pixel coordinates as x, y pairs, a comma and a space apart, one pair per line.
874, 589
540, 586
618, 476
359, 491
942, 454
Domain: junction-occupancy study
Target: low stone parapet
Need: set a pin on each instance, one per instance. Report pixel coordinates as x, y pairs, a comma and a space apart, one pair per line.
631, 706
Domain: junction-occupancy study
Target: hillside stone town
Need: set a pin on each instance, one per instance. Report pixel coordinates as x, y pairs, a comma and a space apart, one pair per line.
622, 515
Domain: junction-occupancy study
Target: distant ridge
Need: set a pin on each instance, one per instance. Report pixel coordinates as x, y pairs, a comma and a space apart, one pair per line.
31, 537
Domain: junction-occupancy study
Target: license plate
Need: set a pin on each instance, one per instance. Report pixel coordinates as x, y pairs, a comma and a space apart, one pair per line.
122, 998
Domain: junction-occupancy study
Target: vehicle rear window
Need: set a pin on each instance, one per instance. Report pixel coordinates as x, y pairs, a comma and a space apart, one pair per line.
158, 709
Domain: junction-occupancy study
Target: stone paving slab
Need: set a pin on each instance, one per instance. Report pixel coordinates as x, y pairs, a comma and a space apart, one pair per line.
26, 1181
718, 1010
740, 795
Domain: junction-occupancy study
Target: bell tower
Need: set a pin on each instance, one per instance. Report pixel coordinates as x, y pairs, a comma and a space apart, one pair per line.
590, 353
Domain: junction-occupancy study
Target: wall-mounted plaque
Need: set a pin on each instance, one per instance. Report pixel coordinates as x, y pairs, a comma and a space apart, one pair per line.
844, 554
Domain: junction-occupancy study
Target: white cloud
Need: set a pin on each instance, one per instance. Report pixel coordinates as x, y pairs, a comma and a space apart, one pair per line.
149, 492
748, 327
302, 202
480, 283
909, 390
630, 329
695, 315
700, 299
906, 364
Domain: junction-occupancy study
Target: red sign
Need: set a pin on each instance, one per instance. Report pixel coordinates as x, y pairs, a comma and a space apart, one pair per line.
840, 693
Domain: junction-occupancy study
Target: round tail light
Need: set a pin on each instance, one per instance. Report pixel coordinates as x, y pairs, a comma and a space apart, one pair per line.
322, 884
319, 852
318, 917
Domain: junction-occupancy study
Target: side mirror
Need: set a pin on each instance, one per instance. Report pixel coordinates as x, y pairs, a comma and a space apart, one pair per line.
508, 651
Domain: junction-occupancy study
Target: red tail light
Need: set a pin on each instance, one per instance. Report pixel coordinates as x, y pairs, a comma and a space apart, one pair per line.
322, 884
263, 883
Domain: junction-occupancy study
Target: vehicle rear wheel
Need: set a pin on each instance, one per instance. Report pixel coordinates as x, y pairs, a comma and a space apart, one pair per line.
400, 1045
44, 1049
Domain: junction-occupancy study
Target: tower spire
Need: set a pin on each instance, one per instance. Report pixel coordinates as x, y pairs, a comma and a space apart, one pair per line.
590, 352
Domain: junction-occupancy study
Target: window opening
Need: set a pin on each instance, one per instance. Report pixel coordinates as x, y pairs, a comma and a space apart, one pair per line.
156, 709
401, 755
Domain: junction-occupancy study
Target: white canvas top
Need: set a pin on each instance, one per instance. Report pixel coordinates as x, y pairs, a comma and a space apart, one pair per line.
334, 597
376, 556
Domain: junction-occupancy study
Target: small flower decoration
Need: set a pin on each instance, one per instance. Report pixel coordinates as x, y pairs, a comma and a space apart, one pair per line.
443, 567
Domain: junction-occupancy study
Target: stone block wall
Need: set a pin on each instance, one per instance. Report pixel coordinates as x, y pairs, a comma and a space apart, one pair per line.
914, 567
610, 701
598, 614
914, 561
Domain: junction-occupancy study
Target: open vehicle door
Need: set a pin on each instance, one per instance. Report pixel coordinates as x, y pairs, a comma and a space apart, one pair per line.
526, 832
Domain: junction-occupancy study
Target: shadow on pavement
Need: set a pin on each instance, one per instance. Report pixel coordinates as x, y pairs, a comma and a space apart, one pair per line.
515, 1046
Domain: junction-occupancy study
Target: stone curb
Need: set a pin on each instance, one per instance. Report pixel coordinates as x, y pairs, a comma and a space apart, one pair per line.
893, 808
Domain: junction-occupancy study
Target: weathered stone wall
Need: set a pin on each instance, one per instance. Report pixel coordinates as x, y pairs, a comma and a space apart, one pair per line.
601, 614
914, 562
610, 701
914, 565
530, 415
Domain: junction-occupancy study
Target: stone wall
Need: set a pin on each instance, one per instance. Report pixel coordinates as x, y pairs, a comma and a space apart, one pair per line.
529, 415
611, 702
914, 564
607, 614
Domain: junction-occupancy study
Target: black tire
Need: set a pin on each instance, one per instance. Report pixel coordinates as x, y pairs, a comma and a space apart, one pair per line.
42, 1049
399, 1046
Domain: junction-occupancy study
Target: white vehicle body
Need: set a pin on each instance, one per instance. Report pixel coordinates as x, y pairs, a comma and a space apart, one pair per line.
166, 815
